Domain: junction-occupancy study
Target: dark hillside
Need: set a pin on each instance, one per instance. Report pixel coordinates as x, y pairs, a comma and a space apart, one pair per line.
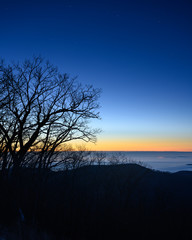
104, 202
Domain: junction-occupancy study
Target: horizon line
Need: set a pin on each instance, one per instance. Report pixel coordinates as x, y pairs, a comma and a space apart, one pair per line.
125, 151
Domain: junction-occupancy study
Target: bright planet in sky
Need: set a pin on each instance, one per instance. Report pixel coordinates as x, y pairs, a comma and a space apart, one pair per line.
138, 52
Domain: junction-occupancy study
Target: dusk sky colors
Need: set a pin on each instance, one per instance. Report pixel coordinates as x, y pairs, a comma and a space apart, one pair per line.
138, 52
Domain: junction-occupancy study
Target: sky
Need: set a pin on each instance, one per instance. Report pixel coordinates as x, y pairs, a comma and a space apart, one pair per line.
138, 52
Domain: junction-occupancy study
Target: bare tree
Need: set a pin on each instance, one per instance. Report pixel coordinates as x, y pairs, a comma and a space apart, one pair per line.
98, 158
76, 157
40, 109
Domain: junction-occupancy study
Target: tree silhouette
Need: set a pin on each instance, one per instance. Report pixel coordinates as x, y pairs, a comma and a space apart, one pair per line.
40, 110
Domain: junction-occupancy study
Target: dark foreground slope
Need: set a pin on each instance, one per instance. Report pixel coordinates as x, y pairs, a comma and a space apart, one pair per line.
102, 202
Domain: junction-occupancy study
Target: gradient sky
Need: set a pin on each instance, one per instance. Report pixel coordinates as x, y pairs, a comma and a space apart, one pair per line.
139, 53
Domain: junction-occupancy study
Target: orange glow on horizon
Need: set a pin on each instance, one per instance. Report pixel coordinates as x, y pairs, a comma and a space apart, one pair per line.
142, 145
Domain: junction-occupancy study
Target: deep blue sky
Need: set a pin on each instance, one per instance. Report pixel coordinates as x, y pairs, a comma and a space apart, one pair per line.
139, 52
